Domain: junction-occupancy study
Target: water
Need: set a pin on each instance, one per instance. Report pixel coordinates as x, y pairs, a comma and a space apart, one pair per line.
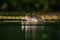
13, 31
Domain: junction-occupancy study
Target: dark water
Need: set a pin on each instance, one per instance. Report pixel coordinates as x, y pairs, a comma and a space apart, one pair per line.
13, 31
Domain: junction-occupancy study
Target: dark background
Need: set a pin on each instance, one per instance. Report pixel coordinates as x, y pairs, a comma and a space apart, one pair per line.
30, 5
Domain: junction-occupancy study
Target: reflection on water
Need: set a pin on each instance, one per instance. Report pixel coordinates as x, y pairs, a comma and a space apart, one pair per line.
14, 31
32, 30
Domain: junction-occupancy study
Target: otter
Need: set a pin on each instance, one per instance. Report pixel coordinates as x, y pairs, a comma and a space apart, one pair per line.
34, 18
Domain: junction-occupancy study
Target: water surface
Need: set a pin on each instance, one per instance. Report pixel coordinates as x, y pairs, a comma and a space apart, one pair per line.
13, 31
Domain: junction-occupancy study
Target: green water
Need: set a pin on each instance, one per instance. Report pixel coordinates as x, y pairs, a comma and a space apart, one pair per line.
12, 31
